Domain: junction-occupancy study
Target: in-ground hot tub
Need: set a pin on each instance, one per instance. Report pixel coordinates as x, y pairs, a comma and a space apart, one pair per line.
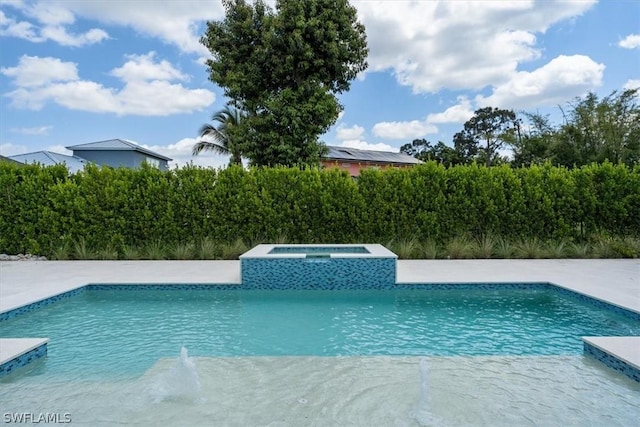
318, 267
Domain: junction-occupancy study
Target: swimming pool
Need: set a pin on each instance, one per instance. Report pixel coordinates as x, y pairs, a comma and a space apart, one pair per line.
406, 322
403, 356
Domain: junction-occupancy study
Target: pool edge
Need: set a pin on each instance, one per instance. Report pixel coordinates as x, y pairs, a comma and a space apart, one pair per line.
616, 353
601, 351
19, 352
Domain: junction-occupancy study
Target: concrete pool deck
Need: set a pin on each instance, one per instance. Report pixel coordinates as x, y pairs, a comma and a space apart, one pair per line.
614, 281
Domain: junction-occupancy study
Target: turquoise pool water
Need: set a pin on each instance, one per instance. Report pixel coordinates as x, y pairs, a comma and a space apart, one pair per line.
319, 250
105, 332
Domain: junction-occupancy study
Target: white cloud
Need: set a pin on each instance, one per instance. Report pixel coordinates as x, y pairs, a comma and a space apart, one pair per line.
50, 13
60, 35
563, 78
632, 84
458, 113
403, 130
161, 98
179, 23
60, 149
21, 29
13, 3
143, 67
354, 132
632, 41
180, 152
39, 130
35, 71
147, 90
363, 145
432, 45
10, 149
53, 20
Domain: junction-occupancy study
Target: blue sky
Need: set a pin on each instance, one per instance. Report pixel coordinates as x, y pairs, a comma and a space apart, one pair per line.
73, 72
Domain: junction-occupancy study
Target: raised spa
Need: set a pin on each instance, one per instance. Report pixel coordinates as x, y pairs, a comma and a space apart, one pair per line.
318, 267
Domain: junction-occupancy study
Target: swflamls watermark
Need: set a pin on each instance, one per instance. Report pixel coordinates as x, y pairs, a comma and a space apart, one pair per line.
36, 418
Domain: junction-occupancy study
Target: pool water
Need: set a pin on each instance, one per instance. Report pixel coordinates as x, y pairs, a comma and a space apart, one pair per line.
319, 250
367, 391
90, 334
403, 357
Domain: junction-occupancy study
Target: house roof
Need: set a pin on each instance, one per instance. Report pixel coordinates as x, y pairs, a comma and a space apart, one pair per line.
357, 155
7, 159
48, 158
116, 145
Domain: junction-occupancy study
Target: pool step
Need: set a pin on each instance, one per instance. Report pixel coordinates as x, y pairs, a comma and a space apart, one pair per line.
18, 352
619, 353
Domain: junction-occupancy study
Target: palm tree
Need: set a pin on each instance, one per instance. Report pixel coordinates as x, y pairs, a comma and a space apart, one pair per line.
218, 138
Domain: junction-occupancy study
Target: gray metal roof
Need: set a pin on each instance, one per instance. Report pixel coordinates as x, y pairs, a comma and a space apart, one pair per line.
48, 158
116, 144
357, 155
7, 159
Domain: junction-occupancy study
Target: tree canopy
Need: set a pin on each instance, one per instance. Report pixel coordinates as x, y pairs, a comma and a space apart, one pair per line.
485, 133
593, 131
285, 68
441, 153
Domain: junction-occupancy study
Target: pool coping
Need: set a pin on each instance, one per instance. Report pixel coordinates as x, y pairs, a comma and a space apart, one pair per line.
619, 353
614, 351
262, 251
18, 352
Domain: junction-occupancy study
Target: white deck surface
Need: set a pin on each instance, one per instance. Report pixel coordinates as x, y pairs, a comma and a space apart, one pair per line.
10, 348
613, 281
625, 348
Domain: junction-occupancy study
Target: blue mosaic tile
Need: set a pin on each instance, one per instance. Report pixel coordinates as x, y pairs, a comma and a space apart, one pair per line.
612, 361
39, 304
318, 273
472, 286
22, 360
164, 287
597, 303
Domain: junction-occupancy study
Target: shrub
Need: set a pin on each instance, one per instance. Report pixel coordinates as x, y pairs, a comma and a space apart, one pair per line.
42, 209
530, 248
233, 250
207, 249
430, 249
183, 251
405, 248
155, 250
461, 247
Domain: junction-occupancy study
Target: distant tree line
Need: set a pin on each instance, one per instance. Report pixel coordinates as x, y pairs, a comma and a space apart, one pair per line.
593, 131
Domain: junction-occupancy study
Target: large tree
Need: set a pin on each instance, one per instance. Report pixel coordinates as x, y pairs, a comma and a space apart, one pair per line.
593, 131
222, 139
598, 130
531, 143
423, 150
485, 134
285, 67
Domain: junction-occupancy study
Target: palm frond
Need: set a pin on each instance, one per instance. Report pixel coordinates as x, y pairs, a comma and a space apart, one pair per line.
212, 146
210, 132
216, 138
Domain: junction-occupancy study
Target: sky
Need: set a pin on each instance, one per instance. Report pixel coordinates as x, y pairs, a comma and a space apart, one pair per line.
78, 71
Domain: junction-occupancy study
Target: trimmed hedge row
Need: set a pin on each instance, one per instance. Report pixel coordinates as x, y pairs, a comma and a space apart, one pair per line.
44, 208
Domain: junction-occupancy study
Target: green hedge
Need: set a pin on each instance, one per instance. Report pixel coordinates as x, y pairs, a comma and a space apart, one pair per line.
44, 208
